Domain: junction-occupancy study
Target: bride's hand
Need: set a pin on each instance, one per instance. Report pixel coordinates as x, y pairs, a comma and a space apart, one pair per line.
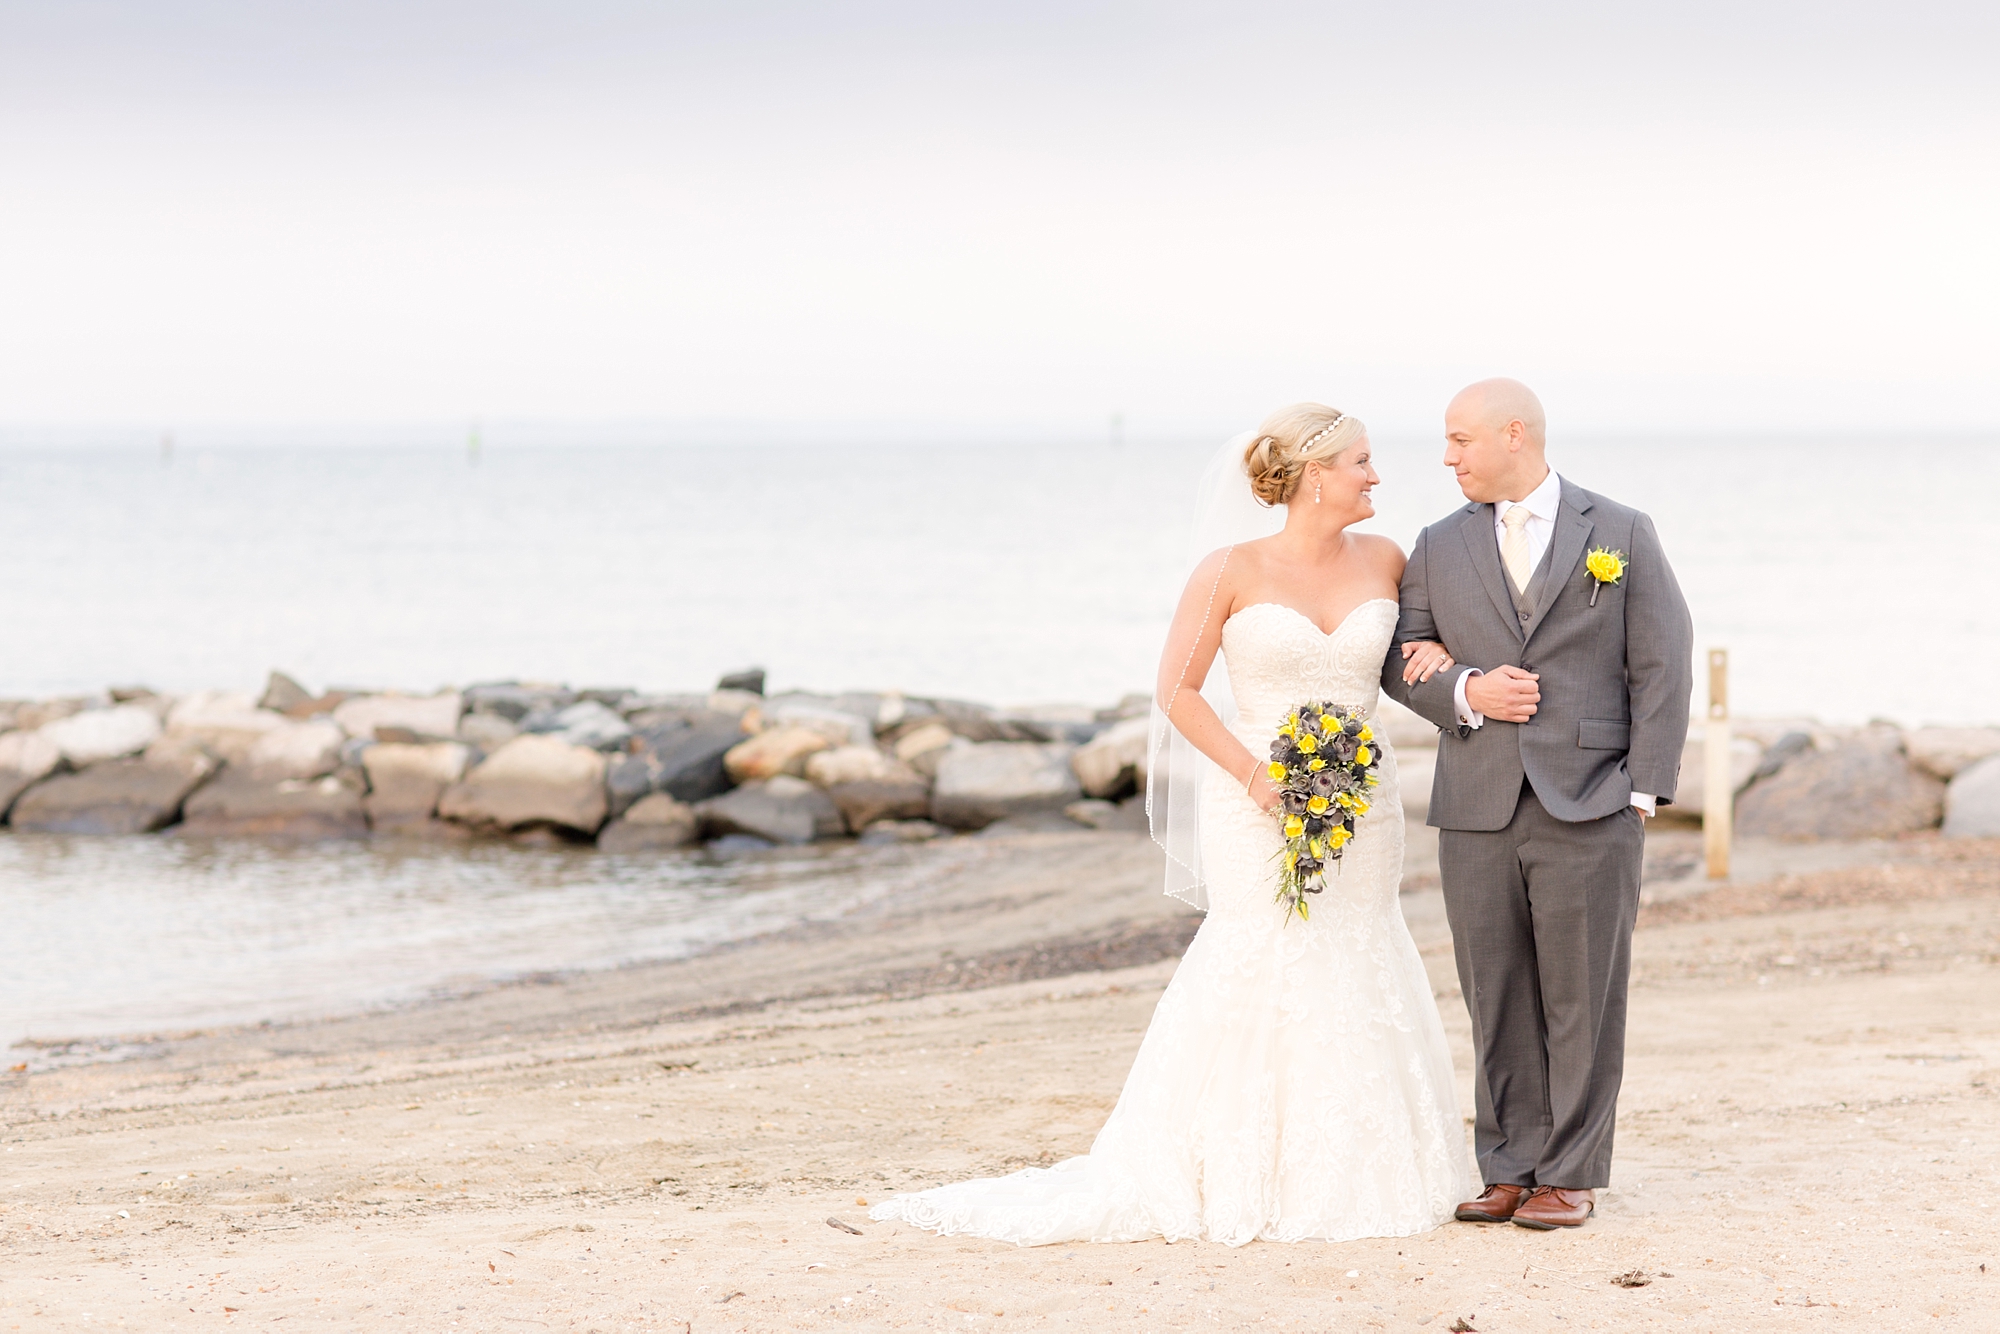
1263, 791
1422, 660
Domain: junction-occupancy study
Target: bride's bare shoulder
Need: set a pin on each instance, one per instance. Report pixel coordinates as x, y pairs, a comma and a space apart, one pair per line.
1381, 553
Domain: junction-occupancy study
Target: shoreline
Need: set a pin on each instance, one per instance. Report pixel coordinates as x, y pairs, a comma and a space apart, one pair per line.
663, 1144
1672, 882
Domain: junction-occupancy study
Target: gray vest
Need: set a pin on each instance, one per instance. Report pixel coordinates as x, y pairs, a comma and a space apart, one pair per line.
1525, 602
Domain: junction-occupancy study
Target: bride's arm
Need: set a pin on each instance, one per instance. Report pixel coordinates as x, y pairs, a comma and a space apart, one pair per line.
1192, 641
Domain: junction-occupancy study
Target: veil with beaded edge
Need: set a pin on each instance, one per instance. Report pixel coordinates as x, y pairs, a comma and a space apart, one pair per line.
1225, 514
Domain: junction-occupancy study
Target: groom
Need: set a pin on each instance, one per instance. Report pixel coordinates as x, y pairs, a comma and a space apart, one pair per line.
1540, 790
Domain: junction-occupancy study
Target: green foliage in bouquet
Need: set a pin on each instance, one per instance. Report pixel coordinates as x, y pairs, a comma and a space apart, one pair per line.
1323, 765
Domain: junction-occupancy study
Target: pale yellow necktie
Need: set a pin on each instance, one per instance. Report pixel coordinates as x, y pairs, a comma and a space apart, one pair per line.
1514, 546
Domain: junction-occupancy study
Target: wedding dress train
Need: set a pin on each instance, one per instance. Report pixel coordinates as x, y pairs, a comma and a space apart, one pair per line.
1295, 1083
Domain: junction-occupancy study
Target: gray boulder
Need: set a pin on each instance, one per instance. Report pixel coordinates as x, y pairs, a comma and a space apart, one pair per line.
514, 700
405, 782
974, 722
654, 822
978, 784
783, 809
1865, 787
103, 734
584, 723
531, 780
1945, 751
282, 694
25, 759
642, 710
488, 731
627, 779
869, 786
1113, 763
681, 755
1972, 802
132, 796
241, 802
750, 680
1074, 723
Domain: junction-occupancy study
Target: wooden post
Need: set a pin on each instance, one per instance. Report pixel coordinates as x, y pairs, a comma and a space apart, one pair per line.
1718, 814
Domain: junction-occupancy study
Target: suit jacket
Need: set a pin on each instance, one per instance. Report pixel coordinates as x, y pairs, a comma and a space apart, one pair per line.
1616, 678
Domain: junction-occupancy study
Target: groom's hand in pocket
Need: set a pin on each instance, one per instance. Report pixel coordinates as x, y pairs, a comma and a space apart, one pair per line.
1506, 693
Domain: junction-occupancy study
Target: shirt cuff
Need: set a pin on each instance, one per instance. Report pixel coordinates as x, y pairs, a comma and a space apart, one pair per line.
1467, 715
1646, 803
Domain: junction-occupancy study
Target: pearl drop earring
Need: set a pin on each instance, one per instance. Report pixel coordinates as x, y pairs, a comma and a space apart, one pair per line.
1315, 493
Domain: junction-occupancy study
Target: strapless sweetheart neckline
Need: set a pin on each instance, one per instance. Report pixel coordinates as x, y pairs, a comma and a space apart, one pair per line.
1324, 634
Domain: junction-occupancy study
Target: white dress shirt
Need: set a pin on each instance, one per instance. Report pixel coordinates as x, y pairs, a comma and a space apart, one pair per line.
1543, 503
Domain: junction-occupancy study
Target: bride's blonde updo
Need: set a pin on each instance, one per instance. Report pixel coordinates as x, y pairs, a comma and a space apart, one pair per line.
1289, 439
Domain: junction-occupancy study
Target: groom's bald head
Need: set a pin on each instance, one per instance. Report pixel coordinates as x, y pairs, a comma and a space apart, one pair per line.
1499, 402
1495, 440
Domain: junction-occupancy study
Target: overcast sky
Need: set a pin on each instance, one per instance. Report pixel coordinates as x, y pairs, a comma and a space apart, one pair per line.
975, 220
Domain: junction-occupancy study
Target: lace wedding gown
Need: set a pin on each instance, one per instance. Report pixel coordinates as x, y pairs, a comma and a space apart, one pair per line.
1295, 1083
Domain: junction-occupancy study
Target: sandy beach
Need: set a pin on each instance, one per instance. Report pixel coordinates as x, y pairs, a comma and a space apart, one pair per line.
1808, 1129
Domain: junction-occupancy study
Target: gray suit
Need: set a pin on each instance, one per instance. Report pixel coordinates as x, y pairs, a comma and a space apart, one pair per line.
1539, 846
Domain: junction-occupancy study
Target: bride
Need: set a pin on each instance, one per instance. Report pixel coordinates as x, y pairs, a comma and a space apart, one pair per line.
1294, 1083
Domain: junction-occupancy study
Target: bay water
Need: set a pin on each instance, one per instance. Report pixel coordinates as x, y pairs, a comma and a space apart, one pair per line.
1849, 578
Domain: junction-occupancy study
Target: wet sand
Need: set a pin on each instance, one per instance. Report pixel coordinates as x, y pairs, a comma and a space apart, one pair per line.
1808, 1130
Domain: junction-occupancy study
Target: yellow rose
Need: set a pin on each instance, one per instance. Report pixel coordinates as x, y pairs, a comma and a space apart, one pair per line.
1364, 756
1607, 567
1359, 807
1307, 744
1294, 826
1330, 725
1317, 806
1315, 848
1338, 838
1276, 771
1367, 733
1314, 765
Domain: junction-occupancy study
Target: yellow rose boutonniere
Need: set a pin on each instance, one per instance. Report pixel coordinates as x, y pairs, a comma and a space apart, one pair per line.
1606, 567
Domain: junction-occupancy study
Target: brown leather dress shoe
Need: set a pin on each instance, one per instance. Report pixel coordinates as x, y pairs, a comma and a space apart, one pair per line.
1550, 1207
1496, 1204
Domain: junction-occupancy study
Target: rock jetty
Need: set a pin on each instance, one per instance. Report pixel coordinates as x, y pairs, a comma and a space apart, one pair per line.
635, 772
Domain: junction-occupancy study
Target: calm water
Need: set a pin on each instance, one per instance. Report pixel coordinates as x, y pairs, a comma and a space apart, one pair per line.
1850, 580
132, 935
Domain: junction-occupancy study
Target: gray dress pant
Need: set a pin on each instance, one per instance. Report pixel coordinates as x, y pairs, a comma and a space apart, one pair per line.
1541, 919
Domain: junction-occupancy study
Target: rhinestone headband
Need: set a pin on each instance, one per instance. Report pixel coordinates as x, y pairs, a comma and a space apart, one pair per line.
1324, 431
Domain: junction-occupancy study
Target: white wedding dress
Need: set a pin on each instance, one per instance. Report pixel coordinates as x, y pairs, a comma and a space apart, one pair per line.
1295, 1083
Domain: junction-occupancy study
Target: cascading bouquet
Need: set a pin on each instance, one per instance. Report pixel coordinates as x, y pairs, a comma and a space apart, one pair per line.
1323, 764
